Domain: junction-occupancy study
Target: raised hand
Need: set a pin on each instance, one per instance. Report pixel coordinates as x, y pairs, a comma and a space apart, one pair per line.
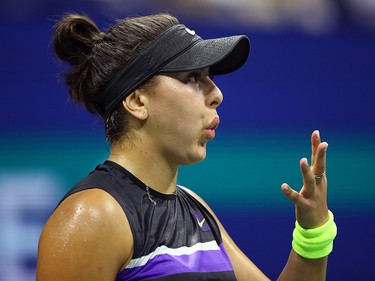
311, 200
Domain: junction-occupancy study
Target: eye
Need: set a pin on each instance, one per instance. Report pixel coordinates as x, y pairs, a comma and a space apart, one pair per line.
195, 77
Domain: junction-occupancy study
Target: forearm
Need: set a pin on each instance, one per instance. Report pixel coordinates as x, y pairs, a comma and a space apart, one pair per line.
301, 269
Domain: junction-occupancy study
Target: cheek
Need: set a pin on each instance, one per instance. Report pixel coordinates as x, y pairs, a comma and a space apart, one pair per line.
178, 113
183, 113
181, 130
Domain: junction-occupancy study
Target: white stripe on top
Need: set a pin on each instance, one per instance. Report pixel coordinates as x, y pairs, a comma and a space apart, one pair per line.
206, 246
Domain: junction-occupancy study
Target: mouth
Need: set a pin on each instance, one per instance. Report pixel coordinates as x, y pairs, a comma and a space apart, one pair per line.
215, 123
210, 130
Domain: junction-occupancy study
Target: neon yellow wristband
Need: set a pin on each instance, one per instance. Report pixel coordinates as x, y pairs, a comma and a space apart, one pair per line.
317, 242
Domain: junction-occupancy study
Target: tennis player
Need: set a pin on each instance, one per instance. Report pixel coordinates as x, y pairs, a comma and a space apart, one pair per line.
149, 79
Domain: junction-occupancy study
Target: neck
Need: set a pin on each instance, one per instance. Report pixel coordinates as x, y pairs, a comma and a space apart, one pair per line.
154, 171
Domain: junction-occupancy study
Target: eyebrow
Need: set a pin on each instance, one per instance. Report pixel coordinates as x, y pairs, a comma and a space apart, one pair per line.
204, 70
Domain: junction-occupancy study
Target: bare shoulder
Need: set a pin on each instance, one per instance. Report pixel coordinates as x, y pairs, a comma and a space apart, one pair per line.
89, 234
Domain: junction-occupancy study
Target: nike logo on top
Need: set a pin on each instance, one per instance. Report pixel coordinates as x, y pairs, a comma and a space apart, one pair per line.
198, 218
200, 223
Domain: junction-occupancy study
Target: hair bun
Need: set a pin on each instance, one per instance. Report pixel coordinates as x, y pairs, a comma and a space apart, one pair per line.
74, 37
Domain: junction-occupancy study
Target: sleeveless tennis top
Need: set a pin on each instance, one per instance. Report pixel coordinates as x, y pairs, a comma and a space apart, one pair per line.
175, 237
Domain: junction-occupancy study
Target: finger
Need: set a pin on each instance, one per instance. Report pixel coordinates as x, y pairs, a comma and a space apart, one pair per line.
309, 183
315, 141
321, 155
291, 194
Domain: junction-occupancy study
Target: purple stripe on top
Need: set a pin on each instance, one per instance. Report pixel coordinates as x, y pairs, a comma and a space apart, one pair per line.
165, 265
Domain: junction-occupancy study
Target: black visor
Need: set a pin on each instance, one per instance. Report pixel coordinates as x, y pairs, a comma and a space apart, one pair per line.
177, 49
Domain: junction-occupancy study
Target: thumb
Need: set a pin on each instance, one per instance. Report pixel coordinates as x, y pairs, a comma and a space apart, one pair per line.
290, 193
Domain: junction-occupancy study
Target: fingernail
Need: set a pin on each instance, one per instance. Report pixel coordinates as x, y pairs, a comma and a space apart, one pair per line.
284, 186
317, 134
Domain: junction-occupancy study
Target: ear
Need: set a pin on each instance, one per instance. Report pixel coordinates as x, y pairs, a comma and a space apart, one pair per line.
135, 105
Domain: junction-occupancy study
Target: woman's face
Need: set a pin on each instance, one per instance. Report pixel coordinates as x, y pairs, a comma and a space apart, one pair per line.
182, 115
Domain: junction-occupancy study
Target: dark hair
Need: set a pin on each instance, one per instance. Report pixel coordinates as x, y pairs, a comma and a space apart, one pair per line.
96, 57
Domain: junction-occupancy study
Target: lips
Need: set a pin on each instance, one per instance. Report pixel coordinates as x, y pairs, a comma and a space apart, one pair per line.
210, 130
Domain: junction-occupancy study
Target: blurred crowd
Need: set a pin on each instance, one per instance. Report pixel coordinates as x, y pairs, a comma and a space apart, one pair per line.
312, 16
344, 71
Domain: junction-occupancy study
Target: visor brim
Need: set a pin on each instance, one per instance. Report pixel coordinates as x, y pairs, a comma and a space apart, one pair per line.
220, 55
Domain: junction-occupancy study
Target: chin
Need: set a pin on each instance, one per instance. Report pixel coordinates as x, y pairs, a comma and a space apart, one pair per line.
198, 155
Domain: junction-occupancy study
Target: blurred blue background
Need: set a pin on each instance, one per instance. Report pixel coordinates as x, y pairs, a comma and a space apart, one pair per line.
312, 66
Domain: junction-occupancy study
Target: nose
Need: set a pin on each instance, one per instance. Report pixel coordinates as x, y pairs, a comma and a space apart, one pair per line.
214, 97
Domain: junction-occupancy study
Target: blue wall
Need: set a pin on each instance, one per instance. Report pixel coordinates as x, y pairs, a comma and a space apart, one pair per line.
292, 84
